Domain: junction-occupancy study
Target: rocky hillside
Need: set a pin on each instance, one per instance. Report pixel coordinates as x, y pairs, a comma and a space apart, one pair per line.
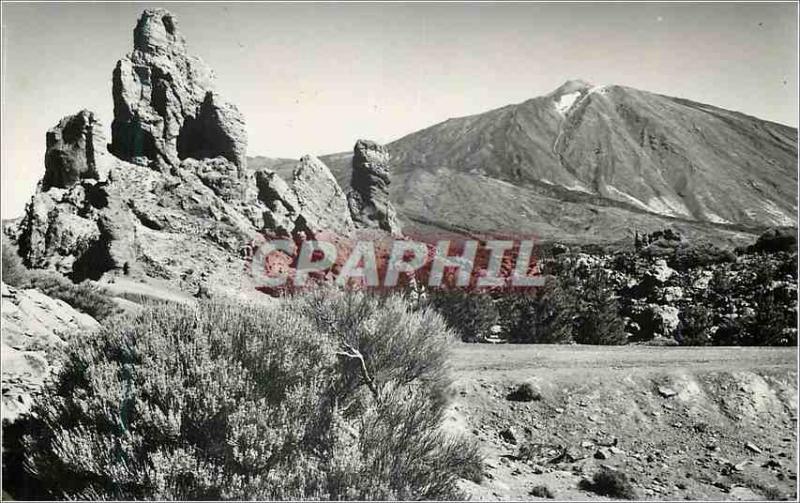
33, 326
591, 163
703, 424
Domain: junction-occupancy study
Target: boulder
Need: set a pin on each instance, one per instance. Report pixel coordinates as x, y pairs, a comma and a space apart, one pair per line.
368, 198
223, 177
314, 203
653, 281
165, 108
217, 130
75, 147
282, 204
52, 234
323, 204
656, 321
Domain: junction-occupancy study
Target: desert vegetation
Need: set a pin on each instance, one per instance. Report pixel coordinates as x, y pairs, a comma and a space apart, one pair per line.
666, 290
329, 395
85, 296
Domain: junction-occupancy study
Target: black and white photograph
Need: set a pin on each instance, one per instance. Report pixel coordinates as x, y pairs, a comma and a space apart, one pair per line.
384, 251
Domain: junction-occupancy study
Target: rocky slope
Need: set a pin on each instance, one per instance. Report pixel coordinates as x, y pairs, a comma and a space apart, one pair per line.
591, 163
680, 423
33, 326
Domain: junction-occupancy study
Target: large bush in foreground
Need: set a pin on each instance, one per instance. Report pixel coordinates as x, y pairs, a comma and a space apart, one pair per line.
329, 397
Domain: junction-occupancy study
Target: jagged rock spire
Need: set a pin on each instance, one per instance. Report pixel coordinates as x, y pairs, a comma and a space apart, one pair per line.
368, 197
165, 105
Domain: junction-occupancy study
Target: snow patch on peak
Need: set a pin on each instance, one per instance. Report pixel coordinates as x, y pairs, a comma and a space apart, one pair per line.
565, 101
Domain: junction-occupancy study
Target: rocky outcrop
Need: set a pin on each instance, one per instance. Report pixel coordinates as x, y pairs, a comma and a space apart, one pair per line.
33, 325
135, 220
165, 107
76, 149
323, 204
76, 223
283, 207
368, 198
98, 212
313, 203
217, 130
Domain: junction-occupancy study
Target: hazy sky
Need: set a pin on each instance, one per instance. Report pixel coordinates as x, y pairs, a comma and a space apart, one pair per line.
313, 78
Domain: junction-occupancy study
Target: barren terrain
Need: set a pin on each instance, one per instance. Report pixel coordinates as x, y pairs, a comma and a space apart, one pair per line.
682, 423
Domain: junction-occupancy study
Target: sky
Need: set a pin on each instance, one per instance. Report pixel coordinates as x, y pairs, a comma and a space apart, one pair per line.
314, 78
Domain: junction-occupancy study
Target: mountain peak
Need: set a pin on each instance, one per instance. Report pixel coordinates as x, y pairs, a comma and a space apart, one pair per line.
568, 93
572, 86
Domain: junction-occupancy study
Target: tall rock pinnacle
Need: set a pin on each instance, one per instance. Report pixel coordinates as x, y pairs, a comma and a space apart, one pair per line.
368, 197
165, 105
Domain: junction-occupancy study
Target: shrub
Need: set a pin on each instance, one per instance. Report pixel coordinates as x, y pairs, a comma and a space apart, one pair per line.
611, 483
524, 393
700, 255
543, 316
84, 297
598, 320
14, 273
772, 493
695, 327
730, 332
472, 314
774, 322
776, 240
337, 397
541, 492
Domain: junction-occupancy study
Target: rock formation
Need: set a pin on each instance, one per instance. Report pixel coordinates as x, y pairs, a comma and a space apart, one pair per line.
76, 149
73, 224
138, 221
368, 198
313, 203
323, 204
165, 107
33, 324
282, 204
171, 197
187, 219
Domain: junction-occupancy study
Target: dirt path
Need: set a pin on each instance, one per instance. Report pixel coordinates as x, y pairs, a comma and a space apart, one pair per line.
549, 357
681, 423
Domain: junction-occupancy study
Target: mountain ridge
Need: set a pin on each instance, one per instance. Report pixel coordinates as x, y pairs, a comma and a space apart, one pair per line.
669, 158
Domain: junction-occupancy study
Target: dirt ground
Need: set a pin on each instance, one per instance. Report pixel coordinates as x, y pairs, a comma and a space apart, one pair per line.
680, 423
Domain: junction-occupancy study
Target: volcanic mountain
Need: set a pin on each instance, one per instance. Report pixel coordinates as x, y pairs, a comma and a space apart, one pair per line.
595, 164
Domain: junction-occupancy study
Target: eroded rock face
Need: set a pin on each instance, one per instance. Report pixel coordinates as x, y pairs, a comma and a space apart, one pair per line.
76, 223
75, 147
32, 324
313, 203
322, 202
165, 108
282, 205
368, 198
217, 130
82, 231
